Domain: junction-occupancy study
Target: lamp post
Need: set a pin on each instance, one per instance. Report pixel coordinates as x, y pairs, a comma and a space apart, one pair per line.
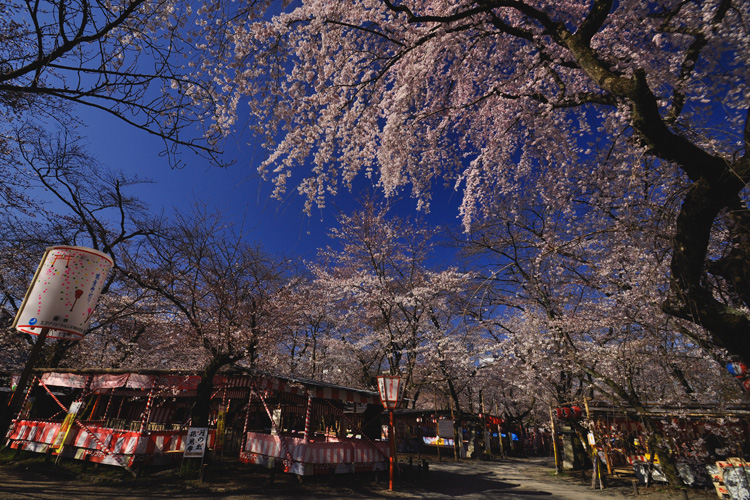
391, 391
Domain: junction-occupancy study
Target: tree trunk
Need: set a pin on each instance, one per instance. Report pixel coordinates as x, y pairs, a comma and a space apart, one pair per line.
689, 298
202, 406
660, 448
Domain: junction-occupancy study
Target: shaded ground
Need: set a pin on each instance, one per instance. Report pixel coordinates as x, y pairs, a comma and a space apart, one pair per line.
28, 477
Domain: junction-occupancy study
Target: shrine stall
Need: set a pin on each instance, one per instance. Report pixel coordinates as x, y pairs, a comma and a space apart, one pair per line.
138, 418
306, 428
423, 431
111, 418
705, 439
433, 432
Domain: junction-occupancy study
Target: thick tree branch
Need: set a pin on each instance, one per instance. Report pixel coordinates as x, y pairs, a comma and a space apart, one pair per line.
597, 15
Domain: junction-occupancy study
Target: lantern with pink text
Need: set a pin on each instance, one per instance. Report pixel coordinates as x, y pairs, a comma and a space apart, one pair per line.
59, 305
391, 389
64, 292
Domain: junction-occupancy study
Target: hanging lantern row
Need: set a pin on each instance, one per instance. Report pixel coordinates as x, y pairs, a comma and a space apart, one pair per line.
740, 371
491, 419
569, 412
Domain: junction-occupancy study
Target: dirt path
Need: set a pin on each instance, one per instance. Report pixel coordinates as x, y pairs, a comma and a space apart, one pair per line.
516, 479
527, 479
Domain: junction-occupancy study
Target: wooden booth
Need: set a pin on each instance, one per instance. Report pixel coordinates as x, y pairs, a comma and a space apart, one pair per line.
127, 418
710, 443
114, 417
307, 427
434, 433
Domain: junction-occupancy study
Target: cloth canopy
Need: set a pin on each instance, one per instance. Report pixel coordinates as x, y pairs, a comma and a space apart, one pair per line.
301, 387
127, 380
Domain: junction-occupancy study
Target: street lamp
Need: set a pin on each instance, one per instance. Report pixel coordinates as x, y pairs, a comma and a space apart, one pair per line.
391, 391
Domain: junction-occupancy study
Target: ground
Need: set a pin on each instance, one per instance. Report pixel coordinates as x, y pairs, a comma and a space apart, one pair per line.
29, 477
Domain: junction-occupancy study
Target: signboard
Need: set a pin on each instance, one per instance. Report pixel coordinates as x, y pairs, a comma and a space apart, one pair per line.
196, 442
64, 292
445, 428
591, 439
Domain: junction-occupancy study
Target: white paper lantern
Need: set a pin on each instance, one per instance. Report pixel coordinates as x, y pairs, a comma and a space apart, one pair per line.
64, 292
391, 389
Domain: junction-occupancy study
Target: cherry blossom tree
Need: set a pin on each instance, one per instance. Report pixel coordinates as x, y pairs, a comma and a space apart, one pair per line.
138, 332
570, 290
305, 321
218, 289
485, 93
388, 302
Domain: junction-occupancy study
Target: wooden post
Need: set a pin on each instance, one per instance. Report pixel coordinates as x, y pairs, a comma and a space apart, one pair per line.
243, 440
308, 413
597, 472
437, 433
147, 412
555, 451
500, 440
437, 426
109, 403
485, 437
95, 406
455, 430
16, 398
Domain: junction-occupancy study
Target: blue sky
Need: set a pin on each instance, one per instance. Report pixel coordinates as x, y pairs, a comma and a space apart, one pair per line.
237, 191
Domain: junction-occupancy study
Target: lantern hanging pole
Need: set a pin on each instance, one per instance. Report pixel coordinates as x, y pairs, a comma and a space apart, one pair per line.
392, 438
391, 392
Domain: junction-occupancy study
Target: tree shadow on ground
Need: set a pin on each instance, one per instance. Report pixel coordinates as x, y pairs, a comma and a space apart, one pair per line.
465, 483
229, 478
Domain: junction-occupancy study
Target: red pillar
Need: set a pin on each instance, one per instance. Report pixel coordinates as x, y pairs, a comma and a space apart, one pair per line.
392, 439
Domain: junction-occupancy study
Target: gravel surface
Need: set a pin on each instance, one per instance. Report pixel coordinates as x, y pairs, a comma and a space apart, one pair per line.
518, 479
